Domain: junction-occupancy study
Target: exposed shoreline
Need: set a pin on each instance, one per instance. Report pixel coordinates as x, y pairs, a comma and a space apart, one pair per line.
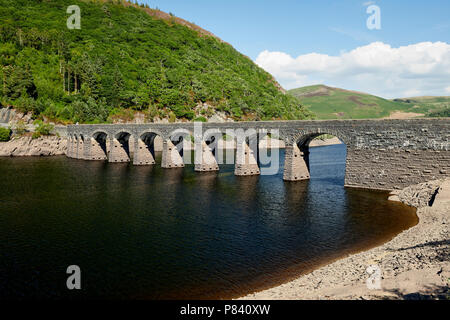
26, 146
414, 265
54, 146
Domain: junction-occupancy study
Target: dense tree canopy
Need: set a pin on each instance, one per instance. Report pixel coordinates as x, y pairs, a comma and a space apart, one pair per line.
122, 59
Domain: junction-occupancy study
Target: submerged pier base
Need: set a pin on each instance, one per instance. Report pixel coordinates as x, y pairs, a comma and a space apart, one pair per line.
171, 158
96, 151
295, 167
246, 164
80, 149
142, 154
204, 159
117, 152
69, 149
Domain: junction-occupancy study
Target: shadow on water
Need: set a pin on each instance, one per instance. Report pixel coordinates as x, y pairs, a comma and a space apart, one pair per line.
153, 233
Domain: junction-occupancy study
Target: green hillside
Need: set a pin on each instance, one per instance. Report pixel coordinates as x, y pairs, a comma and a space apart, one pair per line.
125, 59
431, 106
334, 103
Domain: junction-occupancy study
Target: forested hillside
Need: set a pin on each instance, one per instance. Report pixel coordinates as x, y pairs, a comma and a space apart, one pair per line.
125, 59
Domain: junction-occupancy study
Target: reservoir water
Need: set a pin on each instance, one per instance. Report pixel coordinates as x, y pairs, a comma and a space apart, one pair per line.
152, 233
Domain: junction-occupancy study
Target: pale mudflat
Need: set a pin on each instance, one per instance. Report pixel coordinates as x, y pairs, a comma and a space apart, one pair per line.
413, 265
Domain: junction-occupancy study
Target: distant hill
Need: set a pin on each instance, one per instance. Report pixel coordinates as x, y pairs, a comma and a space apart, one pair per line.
334, 103
431, 106
127, 59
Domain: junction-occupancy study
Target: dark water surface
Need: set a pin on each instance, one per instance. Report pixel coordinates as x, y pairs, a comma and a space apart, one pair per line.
146, 232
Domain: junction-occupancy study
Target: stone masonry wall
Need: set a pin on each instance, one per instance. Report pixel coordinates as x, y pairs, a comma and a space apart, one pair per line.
382, 154
394, 169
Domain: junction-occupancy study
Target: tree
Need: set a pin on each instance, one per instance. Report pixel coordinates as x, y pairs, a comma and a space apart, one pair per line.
19, 82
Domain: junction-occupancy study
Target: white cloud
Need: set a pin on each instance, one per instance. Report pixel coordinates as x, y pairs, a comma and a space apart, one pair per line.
377, 68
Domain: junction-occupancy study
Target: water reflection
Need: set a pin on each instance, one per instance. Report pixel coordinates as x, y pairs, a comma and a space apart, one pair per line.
147, 232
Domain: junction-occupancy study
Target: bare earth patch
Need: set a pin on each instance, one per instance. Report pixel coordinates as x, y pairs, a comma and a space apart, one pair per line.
404, 115
356, 100
340, 114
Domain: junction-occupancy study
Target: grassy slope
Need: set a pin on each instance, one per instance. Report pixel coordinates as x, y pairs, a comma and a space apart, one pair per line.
334, 103
127, 58
431, 106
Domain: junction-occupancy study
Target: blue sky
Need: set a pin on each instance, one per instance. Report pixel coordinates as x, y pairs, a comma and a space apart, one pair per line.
325, 27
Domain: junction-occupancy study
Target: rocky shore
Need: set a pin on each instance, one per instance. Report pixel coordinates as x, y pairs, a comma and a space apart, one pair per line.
26, 146
413, 265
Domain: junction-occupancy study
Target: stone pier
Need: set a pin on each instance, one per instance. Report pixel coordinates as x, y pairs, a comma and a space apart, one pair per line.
171, 158
80, 149
96, 152
205, 160
295, 167
86, 149
73, 148
118, 152
142, 154
69, 147
246, 164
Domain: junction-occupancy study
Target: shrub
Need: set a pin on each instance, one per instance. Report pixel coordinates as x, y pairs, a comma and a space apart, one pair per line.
20, 128
440, 113
5, 134
35, 135
42, 129
200, 119
172, 117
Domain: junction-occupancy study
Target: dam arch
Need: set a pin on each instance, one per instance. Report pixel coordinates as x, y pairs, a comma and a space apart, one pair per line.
99, 146
145, 148
174, 145
297, 155
385, 154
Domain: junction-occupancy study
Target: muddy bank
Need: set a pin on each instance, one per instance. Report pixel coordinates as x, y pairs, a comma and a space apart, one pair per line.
413, 265
26, 146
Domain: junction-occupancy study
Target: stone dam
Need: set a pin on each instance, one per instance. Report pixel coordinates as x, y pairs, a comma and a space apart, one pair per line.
381, 154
